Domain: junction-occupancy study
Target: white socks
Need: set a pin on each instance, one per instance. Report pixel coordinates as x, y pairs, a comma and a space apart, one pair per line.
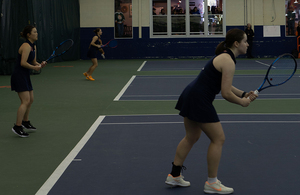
212, 180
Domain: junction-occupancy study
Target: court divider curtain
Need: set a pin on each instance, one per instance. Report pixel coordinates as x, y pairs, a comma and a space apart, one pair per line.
13, 18
56, 21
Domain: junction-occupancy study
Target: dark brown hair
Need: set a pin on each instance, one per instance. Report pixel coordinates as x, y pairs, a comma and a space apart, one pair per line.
26, 30
97, 30
232, 36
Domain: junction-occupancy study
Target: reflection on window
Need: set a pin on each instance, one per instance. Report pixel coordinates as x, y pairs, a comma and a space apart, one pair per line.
215, 20
160, 26
215, 24
197, 19
178, 25
178, 17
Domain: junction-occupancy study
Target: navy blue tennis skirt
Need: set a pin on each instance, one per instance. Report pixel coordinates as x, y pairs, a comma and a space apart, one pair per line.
21, 82
92, 52
197, 106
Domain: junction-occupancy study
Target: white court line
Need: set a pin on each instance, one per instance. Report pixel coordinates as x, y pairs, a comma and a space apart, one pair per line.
262, 63
117, 98
46, 187
218, 95
142, 66
265, 64
151, 95
159, 123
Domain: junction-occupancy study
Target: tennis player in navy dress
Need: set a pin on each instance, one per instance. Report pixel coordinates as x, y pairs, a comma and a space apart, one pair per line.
20, 79
196, 106
94, 47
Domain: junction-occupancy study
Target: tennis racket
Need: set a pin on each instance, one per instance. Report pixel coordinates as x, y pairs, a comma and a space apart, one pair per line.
280, 71
112, 43
61, 49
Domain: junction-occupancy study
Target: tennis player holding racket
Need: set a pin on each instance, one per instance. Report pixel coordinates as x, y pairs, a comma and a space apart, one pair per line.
95, 45
20, 79
195, 105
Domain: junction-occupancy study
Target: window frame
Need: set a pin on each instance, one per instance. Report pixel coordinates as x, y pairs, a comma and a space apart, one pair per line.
187, 33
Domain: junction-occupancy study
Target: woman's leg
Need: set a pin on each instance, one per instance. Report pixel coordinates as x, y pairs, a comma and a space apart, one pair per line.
26, 116
193, 132
93, 67
24, 108
215, 133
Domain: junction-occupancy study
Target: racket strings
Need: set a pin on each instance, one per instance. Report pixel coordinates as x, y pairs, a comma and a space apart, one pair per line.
113, 43
64, 47
281, 71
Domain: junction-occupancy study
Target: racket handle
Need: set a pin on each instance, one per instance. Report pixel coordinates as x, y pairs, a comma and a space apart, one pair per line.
255, 92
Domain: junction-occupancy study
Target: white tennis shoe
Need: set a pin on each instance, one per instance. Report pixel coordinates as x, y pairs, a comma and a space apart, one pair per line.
177, 181
217, 188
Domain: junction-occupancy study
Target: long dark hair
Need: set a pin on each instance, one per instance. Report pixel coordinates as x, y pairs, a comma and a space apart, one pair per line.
232, 36
26, 30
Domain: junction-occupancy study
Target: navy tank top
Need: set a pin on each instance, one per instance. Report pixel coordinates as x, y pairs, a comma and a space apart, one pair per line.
93, 50
195, 102
20, 78
210, 78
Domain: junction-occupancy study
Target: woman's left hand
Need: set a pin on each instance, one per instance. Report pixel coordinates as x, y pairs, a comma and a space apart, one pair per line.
43, 64
251, 95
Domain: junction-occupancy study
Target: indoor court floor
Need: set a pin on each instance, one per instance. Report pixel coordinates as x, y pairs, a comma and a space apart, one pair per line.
133, 155
118, 135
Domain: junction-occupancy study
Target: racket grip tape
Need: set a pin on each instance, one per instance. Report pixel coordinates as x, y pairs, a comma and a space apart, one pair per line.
255, 92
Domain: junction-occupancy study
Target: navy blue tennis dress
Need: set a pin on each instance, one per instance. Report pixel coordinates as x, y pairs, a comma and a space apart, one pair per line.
196, 100
20, 78
92, 52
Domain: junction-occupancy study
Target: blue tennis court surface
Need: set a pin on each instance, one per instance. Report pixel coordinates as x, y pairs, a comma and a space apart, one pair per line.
180, 65
170, 87
133, 155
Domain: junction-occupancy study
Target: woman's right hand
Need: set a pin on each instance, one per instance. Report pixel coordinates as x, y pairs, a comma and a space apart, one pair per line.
37, 67
245, 102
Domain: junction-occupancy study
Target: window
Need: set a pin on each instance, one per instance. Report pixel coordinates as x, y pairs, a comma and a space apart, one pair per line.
160, 18
123, 18
187, 18
292, 10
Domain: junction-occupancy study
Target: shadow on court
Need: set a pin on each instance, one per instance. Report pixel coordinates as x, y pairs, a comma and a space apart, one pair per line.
133, 155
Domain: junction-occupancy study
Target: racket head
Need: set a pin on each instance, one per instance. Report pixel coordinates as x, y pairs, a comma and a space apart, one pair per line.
113, 44
282, 69
63, 47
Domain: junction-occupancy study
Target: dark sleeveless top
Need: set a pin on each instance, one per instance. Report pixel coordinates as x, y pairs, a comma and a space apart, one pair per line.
20, 78
195, 102
92, 52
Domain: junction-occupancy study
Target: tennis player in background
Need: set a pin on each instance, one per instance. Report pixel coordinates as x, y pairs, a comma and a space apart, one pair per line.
95, 45
195, 105
20, 79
